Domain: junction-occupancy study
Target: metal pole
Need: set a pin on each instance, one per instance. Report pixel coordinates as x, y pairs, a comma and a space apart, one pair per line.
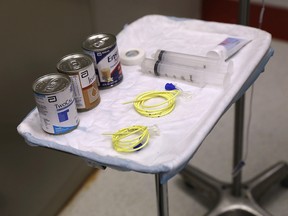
244, 11
162, 197
238, 144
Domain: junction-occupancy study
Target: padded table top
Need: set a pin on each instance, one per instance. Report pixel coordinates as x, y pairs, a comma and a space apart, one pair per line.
184, 129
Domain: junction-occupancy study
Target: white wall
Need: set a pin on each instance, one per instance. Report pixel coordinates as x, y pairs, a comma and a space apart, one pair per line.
34, 35
112, 15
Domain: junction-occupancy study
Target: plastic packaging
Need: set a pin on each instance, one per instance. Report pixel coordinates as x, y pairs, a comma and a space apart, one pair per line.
196, 75
227, 48
196, 62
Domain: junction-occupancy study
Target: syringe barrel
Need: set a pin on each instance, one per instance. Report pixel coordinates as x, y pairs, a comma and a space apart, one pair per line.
183, 72
198, 62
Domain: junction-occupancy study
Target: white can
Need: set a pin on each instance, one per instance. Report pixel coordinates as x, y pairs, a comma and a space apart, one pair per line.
55, 103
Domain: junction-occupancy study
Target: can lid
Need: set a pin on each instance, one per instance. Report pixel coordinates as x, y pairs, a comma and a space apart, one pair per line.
74, 62
51, 83
99, 42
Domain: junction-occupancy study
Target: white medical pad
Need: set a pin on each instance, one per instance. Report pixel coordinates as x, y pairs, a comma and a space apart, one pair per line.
182, 131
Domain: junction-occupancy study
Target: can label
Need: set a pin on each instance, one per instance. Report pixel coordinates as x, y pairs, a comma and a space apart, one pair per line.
80, 69
108, 67
85, 89
57, 112
104, 51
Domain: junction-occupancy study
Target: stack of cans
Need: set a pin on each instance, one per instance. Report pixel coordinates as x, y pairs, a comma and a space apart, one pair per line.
59, 96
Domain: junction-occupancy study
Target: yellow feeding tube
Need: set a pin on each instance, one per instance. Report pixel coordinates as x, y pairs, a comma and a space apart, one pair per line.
160, 108
130, 139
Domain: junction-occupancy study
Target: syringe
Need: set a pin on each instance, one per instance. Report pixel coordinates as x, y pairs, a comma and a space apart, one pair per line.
200, 63
192, 74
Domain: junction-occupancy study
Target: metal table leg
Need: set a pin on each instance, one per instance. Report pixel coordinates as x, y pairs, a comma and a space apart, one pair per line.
238, 145
162, 196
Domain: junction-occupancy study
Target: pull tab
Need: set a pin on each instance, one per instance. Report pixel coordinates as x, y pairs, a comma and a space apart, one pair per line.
101, 42
52, 85
75, 65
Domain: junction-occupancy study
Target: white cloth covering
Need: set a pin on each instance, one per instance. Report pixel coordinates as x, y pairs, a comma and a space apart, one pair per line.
183, 130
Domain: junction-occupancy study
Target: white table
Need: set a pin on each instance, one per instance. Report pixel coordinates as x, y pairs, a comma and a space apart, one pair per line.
183, 130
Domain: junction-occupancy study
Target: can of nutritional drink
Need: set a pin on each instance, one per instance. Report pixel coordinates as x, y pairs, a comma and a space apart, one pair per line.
80, 68
103, 49
55, 103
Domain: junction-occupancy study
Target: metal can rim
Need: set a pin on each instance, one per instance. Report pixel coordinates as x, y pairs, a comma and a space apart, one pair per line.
64, 58
50, 74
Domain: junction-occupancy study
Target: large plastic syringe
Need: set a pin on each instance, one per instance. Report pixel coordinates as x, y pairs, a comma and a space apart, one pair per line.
208, 64
199, 75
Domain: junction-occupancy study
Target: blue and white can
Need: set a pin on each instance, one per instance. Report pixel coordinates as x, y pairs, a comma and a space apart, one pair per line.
55, 103
103, 49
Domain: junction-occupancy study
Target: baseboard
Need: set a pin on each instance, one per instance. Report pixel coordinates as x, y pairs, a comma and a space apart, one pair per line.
227, 11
